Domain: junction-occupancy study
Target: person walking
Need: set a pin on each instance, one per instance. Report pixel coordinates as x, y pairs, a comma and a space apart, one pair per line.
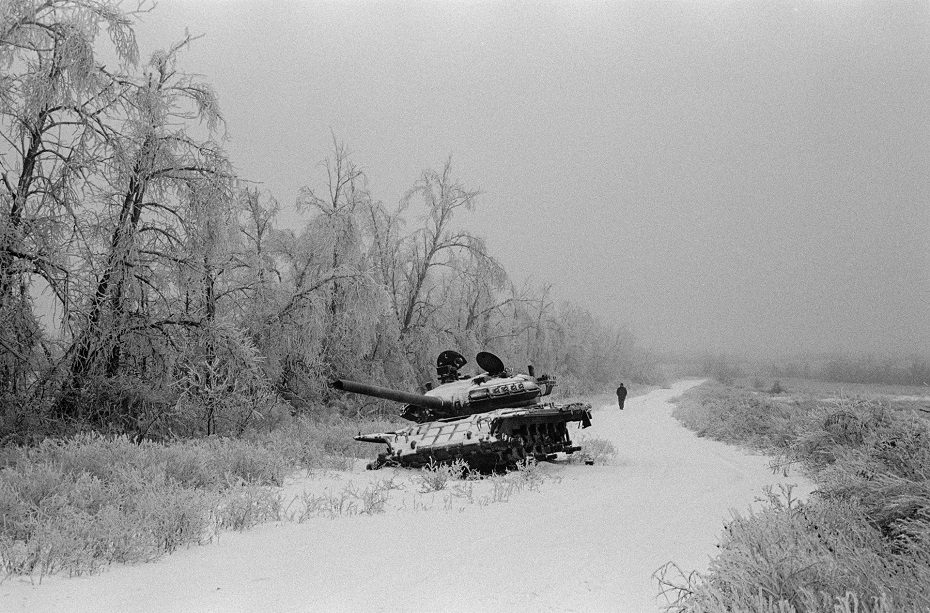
621, 396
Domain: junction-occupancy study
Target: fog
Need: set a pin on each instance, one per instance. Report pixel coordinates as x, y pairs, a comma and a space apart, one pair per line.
741, 177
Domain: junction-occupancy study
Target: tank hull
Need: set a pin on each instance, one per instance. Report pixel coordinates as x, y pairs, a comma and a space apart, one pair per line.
485, 441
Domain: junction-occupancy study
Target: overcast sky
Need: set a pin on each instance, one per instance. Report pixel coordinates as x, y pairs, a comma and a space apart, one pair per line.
748, 177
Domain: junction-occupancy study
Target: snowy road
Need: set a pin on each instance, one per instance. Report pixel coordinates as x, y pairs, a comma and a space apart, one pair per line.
588, 540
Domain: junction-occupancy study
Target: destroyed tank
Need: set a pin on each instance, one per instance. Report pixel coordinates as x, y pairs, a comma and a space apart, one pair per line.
491, 420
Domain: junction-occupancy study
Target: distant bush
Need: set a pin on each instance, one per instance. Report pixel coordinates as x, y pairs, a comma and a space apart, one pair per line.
913, 370
739, 418
722, 368
862, 543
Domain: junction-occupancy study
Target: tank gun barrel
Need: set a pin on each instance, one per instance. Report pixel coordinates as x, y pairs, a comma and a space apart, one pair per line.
428, 402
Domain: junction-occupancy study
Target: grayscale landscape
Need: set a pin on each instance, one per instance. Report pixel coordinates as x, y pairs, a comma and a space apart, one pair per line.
223, 221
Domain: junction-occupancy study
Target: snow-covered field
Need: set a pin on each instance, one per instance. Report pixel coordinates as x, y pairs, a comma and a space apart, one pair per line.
586, 538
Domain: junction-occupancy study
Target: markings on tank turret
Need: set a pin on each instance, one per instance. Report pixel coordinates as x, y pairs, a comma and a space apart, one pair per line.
502, 390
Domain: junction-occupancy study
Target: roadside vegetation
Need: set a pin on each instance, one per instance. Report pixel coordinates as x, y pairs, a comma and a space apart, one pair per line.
861, 543
77, 504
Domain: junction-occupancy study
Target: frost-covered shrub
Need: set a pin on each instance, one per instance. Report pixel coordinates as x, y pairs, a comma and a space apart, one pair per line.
435, 476
73, 505
861, 544
596, 450
794, 557
242, 462
244, 506
59, 520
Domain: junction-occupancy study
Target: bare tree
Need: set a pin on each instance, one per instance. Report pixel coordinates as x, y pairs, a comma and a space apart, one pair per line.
326, 305
157, 162
337, 210
256, 256
434, 244
54, 104
478, 298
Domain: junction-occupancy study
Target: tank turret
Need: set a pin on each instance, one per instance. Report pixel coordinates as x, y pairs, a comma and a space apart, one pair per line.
460, 395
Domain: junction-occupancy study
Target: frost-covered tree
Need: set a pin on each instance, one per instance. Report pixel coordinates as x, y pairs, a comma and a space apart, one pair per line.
164, 186
56, 102
410, 263
328, 310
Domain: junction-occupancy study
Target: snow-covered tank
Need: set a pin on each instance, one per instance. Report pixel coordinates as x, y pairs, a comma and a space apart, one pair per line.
490, 420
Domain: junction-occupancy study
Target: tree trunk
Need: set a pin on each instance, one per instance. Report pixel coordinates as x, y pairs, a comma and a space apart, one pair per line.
111, 284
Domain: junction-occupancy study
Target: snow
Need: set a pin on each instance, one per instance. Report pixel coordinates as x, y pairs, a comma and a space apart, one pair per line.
587, 539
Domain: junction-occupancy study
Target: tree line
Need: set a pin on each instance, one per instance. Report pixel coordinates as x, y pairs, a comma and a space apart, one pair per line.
180, 303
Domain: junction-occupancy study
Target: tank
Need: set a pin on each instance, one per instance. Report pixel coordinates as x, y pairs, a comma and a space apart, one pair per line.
491, 420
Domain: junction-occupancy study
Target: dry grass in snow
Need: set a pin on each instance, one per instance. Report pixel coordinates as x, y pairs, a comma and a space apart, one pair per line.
76, 505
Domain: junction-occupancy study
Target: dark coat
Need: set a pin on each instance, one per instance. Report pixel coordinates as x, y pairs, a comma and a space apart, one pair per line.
621, 393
